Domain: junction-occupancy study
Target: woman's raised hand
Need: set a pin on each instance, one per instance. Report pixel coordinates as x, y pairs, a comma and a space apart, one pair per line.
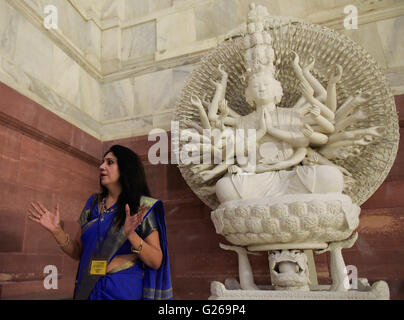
132, 222
50, 221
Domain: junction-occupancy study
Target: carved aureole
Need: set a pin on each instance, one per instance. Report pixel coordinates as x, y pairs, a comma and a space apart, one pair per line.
325, 136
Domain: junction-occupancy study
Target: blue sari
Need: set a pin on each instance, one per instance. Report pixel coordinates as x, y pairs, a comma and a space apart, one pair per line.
102, 241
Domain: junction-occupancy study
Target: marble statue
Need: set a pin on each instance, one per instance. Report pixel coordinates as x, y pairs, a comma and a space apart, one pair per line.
279, 178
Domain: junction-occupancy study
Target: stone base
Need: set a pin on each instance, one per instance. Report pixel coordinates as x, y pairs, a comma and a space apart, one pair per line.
378, 291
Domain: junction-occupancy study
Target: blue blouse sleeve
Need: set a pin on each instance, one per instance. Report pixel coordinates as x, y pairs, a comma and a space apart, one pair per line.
148, 225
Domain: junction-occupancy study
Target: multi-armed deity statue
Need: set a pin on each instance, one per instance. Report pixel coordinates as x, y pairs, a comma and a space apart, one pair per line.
295, 153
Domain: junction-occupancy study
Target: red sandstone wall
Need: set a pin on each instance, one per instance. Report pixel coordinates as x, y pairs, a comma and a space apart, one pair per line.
43, 157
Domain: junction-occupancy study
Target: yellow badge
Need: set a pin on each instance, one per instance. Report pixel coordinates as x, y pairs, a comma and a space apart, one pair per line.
98, 267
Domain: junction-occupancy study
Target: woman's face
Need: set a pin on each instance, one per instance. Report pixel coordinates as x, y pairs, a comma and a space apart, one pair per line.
109, 171
264, 89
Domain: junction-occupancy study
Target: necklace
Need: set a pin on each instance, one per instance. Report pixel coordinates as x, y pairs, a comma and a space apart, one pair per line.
104, 210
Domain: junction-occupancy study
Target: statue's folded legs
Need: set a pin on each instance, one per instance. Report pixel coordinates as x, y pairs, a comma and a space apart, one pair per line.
301, 180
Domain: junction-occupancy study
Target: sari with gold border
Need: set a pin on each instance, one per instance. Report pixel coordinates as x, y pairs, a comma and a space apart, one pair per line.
101, 240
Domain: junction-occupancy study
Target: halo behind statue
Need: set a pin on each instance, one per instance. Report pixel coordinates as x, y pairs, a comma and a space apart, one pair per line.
360, 73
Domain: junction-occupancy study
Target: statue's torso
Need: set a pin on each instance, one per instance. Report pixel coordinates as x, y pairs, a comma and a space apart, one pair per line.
270, 147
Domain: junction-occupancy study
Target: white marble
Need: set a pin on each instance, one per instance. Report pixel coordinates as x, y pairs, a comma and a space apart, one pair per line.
135, 9
176, 30
154, 92
90, 95
157, 5
128, 128
44, 95
396, 81
117, 100
286, 194
34, 52
367, 36
378, 291
12, 75
70, 23
183, 26
9, 21
109, 9
272, 6
65, 76
93, 44
139, 40
163, 120
111, 50
302, 9
213, 19
391, 34
180, 77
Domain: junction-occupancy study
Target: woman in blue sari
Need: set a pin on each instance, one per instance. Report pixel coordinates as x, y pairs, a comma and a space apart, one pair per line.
123, 256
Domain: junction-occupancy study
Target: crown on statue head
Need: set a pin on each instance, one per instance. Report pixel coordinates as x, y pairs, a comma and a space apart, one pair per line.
259, 55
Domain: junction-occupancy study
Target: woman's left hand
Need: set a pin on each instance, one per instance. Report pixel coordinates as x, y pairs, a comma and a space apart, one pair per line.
132, 222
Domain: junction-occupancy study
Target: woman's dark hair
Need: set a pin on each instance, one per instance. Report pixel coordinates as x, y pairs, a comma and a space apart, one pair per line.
132, 179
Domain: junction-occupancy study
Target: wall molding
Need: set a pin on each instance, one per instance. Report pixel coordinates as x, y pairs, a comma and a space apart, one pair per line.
36, 133
369, 12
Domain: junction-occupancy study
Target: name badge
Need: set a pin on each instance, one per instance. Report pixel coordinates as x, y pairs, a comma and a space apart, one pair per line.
98, 267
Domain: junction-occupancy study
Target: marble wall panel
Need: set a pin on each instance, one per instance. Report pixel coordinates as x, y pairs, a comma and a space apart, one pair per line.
156, 5
117, 99
108, 9
135, 9
243, 7
92, 45
69, 20
38, 62
127, 128
180, 77
65, 76
163, 120
217, 18
71, 23
90, 95
302, 9
63, 108
153, 92
176, 30
111, 50
391, 34
139, 40
396, 81
9, 21
367, 36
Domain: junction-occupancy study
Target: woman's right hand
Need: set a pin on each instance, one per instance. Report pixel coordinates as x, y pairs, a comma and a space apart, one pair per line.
50, 221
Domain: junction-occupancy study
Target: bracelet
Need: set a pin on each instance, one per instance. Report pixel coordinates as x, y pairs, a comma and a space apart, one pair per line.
66, 243
137, 251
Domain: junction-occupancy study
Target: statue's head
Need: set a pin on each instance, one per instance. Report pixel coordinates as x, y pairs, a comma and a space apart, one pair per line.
263, 88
